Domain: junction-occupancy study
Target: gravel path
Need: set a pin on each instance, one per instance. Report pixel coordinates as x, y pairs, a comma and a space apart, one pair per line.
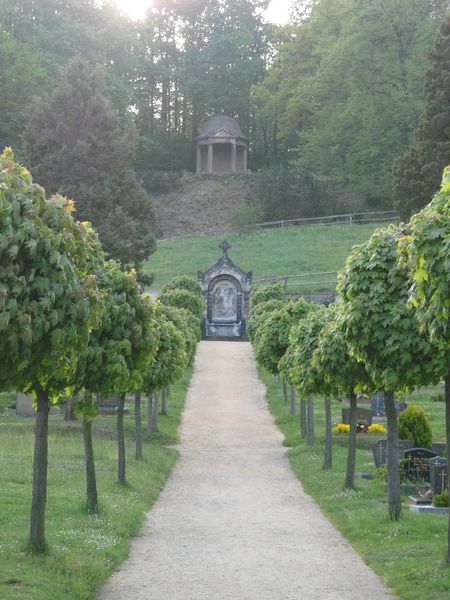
233, 521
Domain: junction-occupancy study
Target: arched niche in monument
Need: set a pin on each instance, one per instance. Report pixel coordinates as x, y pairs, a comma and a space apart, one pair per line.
226, 288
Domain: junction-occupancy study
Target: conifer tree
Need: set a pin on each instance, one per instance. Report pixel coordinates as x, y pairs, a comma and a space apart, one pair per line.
417, 174
78, 146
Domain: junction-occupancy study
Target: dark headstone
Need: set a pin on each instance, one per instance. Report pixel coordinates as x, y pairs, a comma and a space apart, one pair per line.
438, 474
439, 447
417, 464
378, 407
377, 402
363, 416
379, 453
379, 450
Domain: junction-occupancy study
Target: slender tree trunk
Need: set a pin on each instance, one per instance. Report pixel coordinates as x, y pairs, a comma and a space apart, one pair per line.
149, 417
303, 424
285, 390
393, 471
155, 413
40, 467
293, 401
138, 425
121, 439
310, 410
163, 401
277, 378
91, 482
447, 428
328, 456
69, 414
351, 453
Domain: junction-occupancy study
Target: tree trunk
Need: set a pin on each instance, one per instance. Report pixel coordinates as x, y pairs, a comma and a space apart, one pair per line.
149, 417
69, 414
310, 418
328, 456
293, 401
277, 378
351, 453
91, 482
303, 425
393, 471
163, 401
285, 392
447, 428
39, 495
120, 439
138, 425
169, 391
155, 413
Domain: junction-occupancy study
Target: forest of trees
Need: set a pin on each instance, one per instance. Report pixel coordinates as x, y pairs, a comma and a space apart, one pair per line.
332, 99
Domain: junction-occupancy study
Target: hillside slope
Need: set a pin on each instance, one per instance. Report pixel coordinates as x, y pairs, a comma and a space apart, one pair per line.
203, 204
268, 252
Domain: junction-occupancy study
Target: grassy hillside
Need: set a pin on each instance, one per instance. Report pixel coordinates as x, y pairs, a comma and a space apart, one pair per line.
203, 204
266, 253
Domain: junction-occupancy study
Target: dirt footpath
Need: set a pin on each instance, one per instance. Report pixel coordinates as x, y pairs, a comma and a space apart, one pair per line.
233, 521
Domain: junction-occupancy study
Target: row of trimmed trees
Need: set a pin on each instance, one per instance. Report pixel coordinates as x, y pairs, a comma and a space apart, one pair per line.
72, 320
388, 330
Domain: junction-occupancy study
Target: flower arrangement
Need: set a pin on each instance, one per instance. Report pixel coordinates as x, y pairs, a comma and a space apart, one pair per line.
341, 428
376, 428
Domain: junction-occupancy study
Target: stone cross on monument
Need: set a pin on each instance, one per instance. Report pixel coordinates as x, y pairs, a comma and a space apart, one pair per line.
225, 246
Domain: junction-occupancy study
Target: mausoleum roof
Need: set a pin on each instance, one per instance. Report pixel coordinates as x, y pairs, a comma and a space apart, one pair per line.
219, 123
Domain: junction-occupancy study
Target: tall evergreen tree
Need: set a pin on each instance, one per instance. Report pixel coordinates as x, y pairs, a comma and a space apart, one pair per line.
78, 146
417, 174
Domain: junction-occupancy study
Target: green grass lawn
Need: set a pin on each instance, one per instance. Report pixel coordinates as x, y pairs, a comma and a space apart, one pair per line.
83, 549
408, 554
266, 253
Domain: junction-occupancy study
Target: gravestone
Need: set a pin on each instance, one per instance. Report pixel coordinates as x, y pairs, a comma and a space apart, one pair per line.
378, 407
377, 402
439, 447
379, 450
24, 405
226, 288
438, 474
363, 416
417, 466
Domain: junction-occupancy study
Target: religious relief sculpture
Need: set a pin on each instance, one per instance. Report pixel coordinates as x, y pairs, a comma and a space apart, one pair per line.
224, 301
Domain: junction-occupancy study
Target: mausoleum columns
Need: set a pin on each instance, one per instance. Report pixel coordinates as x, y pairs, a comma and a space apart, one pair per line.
210, 163
233, 156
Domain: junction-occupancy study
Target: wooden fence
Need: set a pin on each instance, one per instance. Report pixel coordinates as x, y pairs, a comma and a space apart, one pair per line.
303, 280
361, 218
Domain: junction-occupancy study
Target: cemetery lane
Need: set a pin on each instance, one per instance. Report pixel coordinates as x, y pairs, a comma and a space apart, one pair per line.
233, 521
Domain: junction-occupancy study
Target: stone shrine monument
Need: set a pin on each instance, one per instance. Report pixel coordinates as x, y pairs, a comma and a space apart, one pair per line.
221, 147
226, 288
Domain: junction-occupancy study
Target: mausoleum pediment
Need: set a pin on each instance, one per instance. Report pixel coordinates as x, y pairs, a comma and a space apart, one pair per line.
222, 133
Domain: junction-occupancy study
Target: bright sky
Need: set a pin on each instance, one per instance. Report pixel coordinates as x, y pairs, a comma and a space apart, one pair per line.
278, 11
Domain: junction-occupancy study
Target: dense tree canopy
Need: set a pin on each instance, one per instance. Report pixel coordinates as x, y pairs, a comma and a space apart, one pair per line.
344, 91
418, 172
335, 96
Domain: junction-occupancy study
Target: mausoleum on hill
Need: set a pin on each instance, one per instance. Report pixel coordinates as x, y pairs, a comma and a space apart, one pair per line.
221, 147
